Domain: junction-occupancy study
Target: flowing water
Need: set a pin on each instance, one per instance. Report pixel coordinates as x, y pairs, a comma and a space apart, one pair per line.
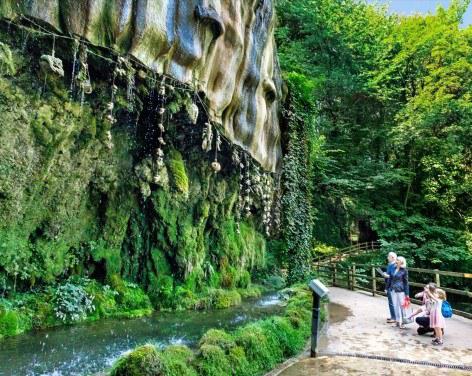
89, 348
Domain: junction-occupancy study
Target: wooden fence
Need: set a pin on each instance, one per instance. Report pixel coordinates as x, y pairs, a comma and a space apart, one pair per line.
364, 277
352, 250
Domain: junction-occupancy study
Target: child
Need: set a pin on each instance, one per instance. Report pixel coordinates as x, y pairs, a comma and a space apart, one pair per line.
436, 318
426, 306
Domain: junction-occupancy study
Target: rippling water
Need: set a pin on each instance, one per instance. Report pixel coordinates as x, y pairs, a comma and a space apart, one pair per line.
89, 348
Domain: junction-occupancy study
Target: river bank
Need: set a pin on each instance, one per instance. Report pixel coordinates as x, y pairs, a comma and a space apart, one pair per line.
87, 348
250, 350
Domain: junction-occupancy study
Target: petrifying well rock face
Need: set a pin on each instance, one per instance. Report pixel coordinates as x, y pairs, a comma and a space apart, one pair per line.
226, 47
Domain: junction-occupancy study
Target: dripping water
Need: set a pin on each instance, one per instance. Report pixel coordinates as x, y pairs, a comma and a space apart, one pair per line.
130, 91
74, 63
24, 45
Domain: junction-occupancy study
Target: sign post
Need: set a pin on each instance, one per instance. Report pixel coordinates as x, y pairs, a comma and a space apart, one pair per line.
319, 290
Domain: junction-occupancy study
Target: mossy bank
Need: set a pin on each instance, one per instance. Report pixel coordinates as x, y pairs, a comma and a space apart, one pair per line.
80, 196
249, 351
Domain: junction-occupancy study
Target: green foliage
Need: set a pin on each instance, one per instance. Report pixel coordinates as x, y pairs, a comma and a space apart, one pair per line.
7, 63
177, 361
219, 338
386, 103
212, 361
275, 282
261, 347
143, 361
10, 323
71, 301
224, 298
133, 297
297, 211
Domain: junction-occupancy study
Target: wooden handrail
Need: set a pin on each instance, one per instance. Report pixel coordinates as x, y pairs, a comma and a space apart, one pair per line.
352, 250
349, 272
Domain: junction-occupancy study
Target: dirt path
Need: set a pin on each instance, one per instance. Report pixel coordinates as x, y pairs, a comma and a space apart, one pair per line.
364, 331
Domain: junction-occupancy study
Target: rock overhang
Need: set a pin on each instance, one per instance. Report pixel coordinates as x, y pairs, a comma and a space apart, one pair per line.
224, 48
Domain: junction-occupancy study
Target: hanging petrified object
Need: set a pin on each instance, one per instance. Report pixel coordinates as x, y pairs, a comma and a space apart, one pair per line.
216, 166
75, 50
239, 206
160, 140
51, 65
267, 195
247, 198
192, 111
159, 158
207, 137
109, 140
114, 90
83, 76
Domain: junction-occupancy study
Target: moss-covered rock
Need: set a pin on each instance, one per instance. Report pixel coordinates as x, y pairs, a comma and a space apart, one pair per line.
218, 338
71, 201
212, 361
179, 173
226, 298
144, 361
177, 361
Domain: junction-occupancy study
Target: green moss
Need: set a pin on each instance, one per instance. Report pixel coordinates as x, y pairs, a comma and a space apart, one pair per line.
178, 171
218, 338
71, 206
252, 291
290, 340
225, 298
239, 363
177, 361
261, 347
160, 290
144, 361
212, 361
10, 323
133, 298
7, 62
244, 279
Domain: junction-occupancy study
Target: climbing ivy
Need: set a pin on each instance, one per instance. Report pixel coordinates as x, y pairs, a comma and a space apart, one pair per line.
297, 209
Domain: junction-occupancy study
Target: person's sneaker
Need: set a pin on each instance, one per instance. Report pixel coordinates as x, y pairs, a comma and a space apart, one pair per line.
437, 342
390, 321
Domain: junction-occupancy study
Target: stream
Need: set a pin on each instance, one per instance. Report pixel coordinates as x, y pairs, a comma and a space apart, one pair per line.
85, 349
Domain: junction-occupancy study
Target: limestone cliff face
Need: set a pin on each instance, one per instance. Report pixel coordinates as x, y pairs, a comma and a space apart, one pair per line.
224, 47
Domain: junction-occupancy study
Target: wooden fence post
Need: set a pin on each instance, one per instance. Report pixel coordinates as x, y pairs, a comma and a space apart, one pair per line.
437, 278
374, 282
348, 277
353, 283
334, 274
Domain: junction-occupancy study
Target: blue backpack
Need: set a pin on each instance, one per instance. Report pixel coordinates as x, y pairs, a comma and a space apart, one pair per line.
446, 309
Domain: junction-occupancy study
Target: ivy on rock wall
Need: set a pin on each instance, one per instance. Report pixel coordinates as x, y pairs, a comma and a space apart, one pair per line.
297, 208
79, 192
